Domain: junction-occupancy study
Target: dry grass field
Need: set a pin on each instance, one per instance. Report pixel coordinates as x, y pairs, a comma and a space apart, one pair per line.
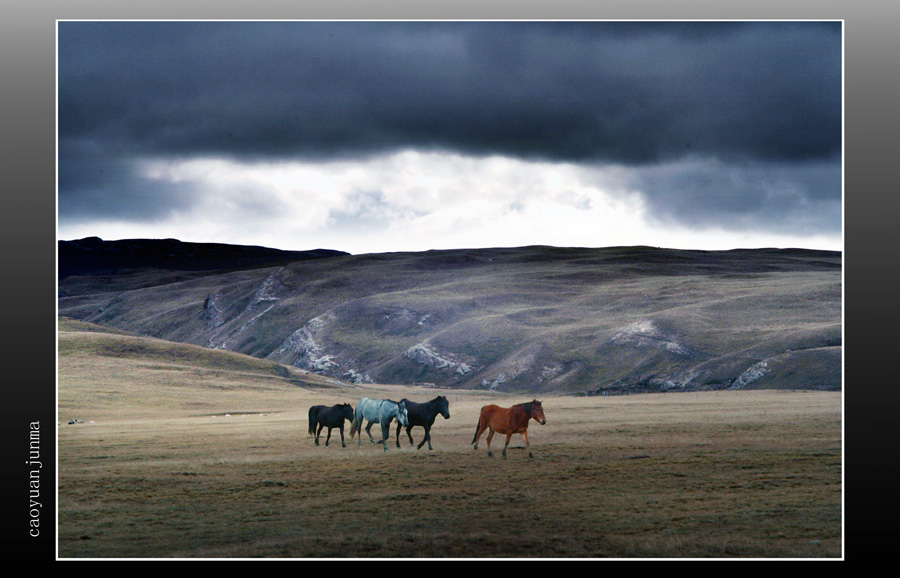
180, 452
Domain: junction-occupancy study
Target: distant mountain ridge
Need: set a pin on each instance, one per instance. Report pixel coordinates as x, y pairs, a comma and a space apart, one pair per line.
94, 256
530, 319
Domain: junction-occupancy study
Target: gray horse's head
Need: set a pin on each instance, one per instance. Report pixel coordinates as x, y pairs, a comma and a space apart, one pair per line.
402, 415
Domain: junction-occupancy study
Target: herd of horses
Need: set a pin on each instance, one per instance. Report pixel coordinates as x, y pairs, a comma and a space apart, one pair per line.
409, 414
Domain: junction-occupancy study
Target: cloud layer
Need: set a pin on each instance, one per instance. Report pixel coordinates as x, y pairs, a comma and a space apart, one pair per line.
696, 125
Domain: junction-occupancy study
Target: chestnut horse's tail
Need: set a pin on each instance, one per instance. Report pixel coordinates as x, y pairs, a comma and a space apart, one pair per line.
478, 427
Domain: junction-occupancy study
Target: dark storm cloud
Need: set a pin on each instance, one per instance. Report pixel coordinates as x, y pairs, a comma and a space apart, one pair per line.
624, 92
730, 124
798, 199
94, 183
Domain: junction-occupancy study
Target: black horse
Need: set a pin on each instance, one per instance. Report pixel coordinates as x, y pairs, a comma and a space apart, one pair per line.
331, 417
423, 414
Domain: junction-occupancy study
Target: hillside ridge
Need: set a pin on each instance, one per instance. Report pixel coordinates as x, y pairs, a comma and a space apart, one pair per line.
531, 319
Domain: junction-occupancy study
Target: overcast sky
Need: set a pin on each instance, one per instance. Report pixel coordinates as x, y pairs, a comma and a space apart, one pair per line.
407, 136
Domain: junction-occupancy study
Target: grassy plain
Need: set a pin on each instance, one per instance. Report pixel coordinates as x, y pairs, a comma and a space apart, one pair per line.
180, 452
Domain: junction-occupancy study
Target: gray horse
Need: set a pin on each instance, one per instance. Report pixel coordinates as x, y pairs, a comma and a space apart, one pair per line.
381, 411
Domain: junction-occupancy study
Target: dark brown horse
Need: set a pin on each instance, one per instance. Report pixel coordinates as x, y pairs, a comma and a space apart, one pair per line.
331, 417
423, 414
508, 421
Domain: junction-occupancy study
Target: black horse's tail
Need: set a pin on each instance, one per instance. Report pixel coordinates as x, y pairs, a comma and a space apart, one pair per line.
313, 413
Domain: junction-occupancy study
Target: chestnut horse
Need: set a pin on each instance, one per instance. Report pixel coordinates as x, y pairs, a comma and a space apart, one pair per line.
508, 421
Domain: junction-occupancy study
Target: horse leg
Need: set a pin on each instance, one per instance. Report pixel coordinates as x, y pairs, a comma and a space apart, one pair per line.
488, 440
424, 439
369, 431
328, 437
399, 427
427, 439
527, 444
385, 435
318, 431
409, 433
508, 435
341, 427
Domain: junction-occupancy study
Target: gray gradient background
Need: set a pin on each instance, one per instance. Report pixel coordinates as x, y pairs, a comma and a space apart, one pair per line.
27, 63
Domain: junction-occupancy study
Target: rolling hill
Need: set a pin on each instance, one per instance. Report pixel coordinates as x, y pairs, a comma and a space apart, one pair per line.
528, 319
